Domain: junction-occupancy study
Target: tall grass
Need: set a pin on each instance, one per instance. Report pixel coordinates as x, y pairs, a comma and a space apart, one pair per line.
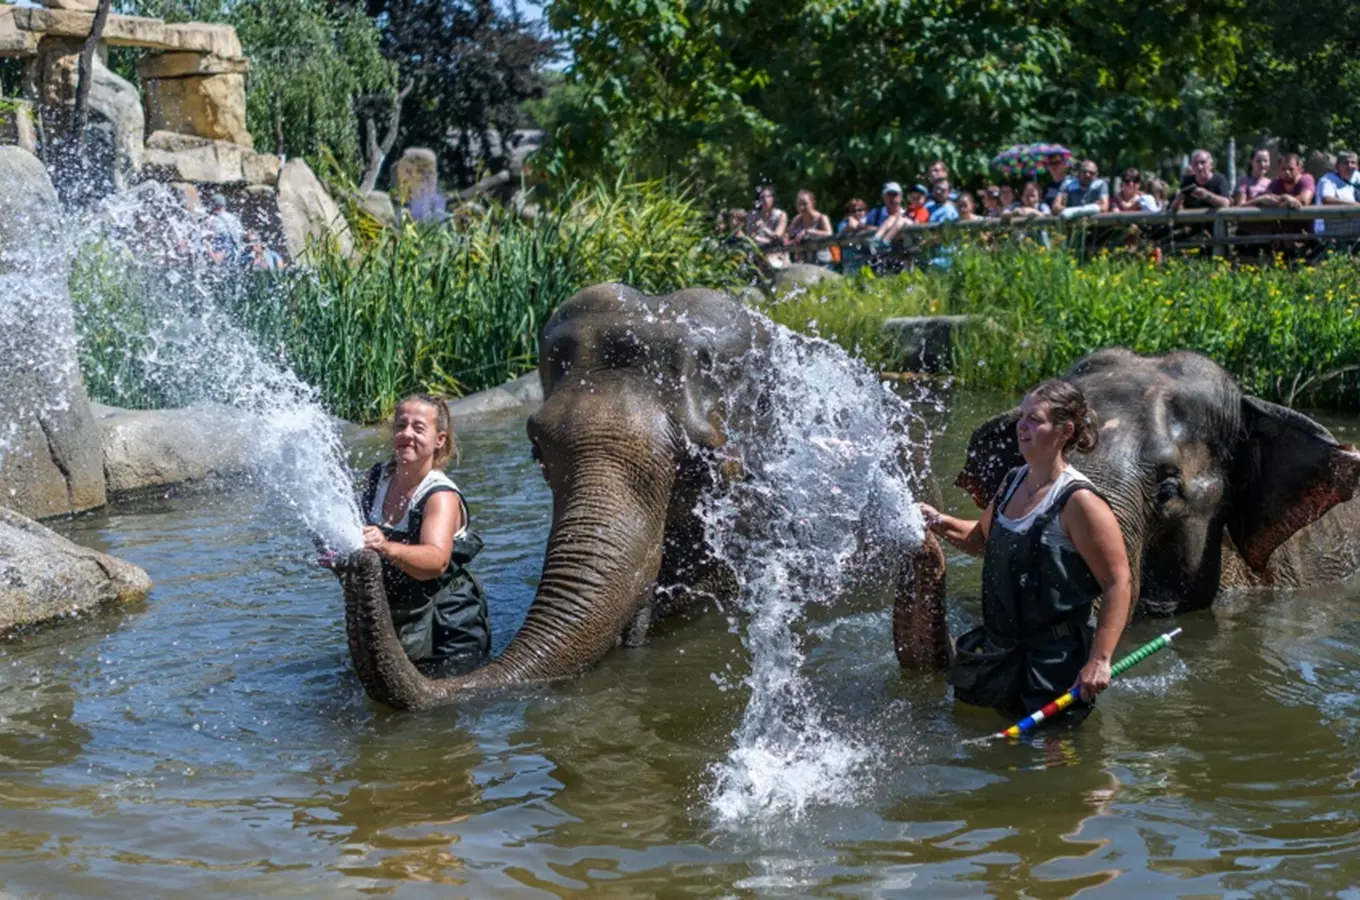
1288, 334
446, 309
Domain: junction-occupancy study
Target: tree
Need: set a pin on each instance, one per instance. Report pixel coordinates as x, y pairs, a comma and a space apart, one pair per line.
472, 66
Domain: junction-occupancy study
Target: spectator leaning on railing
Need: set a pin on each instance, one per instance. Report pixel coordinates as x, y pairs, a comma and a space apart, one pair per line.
891, 208
1293, 189
1130, 197
967, 211
1203, 188
810, 225
992, 207
1056, 164
767, 223
941, 208
855, 213
1340, 187
1253, 185
1086, 195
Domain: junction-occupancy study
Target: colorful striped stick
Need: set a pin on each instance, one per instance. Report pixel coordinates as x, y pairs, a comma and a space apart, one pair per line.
1067, 699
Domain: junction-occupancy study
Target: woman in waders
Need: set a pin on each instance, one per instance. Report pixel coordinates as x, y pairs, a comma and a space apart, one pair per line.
1050, 547
416, 520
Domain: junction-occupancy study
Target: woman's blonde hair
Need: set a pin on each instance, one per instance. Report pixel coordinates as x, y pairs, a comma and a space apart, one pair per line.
442, 422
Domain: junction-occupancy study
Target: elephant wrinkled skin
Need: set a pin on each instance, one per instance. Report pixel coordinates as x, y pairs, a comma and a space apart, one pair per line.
640, 394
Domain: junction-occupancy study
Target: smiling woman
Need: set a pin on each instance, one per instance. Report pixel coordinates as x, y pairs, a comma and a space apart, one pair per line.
417, 522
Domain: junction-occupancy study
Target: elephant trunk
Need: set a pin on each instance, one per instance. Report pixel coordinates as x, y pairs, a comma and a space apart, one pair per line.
603, 554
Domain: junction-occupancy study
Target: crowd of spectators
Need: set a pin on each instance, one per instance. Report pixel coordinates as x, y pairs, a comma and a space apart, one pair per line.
1068, 192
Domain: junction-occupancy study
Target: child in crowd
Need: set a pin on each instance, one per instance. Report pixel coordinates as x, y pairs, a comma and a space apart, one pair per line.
416, 520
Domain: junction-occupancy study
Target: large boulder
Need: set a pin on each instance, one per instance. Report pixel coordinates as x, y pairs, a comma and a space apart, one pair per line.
798, 276
306, 211
111, 160
210, 106
149, 449
17, 125
44, 576
50, 458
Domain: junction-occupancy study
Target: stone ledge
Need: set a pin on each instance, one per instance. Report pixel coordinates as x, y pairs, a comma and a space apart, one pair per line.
181, 65
121, 31
148, 449
520, 395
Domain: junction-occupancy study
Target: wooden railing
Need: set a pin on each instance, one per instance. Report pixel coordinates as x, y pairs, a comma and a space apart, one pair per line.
1217, 232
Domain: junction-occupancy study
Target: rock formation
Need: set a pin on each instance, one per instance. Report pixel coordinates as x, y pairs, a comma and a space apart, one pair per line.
43, 575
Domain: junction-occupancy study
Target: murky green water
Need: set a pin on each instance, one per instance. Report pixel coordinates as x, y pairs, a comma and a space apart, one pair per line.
214, 741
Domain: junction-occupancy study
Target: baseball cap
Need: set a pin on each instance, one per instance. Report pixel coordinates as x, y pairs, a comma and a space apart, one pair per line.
892, 187
920, 189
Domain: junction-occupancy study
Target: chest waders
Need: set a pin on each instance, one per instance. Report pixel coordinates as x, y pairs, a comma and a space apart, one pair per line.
1036, 631
443, 621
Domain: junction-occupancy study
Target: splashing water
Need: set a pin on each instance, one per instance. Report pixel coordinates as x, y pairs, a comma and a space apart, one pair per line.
826, 489
189, 347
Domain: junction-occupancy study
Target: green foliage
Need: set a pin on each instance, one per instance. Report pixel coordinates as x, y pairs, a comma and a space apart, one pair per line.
1287, 334
838, 95
439, 309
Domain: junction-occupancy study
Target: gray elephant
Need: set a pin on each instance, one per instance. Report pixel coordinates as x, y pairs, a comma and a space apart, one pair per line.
641, 396
1212, 488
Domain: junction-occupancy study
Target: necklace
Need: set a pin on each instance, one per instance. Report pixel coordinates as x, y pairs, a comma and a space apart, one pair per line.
1031, 492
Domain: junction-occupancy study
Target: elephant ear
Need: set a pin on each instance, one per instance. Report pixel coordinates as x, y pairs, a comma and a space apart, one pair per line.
992, 452
1287, 472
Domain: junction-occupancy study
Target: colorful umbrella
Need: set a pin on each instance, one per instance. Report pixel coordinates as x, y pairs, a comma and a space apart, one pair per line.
1027, 160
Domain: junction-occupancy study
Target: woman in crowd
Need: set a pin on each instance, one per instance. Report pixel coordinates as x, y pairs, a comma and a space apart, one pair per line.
1050, 546
855, 211
1030, 205
1130, 198
967, 211
417, 522
1253, 185
767, 223
809, 224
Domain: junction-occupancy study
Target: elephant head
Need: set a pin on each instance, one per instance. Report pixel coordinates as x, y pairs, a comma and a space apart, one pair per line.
629, 434
1184, 459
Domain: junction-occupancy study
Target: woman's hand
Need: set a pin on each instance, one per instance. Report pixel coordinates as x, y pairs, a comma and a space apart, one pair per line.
1093, 678
934, 521
374, 539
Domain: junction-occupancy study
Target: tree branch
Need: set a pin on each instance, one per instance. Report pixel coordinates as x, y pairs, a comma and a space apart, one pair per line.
377, 153
85, 71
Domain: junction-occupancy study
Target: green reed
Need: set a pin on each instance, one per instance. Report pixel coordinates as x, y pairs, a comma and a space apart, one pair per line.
1290, 334
446, 309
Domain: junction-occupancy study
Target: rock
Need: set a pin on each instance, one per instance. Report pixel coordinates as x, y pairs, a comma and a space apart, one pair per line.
522, 394
796, 275
16, 125
261, 168
80, 5
178, 65
181, 157
43, 575
924, 343
147, 449
415, 174
210, 106
124, 31
307, 213
378, 204
112, 159
50, 461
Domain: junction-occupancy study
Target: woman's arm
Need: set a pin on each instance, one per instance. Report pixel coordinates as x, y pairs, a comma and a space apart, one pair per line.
428, 559
781, 227
969, 535
820, 229
1090, 523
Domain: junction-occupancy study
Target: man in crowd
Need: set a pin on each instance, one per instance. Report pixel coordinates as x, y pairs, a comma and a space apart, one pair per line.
1293, 189
1340, 188
1056, 164
941, 208
224, 232
891, 208
1203, 188
939, 170
1087, 194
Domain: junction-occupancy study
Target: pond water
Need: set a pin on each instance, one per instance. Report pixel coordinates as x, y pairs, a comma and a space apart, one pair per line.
215, 741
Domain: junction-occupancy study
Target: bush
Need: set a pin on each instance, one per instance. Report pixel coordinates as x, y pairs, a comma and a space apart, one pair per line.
1287, 334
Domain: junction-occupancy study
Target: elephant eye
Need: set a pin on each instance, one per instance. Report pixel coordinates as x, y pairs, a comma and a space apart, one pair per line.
1169, 489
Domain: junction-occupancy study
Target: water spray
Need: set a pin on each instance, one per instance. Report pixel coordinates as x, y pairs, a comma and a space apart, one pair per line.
1031, 721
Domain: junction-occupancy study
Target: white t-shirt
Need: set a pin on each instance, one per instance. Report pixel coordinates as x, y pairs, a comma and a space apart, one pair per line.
434, 479
1053, 535
1332, 185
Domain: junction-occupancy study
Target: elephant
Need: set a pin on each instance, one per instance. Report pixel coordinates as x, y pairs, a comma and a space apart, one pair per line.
1212, 488
641, 397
